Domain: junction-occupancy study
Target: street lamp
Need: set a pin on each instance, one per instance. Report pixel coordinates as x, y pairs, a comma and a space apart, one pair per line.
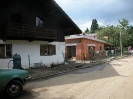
121, 42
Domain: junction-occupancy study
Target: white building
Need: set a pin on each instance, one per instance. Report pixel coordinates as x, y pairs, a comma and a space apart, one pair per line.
25, 48
33, 28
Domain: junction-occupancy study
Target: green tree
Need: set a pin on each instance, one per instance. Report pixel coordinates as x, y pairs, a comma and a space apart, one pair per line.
94, 26
123, 24
124, 27
130, 36
86, 31
110, 34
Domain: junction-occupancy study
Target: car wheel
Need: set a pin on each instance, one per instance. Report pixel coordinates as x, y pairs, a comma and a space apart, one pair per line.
14, 88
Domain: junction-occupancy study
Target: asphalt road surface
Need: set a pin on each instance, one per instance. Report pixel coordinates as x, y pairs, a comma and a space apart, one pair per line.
113, 80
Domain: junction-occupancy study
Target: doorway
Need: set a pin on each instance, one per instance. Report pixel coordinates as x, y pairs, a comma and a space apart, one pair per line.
71, 51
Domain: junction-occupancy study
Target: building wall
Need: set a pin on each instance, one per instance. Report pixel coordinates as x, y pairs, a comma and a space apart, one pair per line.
25, 48
78, 47
78, 52
29, 10
83, 48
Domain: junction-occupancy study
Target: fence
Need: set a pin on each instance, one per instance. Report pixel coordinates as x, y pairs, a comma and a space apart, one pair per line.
99, 56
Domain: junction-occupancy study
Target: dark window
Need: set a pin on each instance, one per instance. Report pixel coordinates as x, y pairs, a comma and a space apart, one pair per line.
39, 22
47, 50
5, 50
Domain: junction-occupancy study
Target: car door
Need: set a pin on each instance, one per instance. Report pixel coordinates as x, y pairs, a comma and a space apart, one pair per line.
3, 79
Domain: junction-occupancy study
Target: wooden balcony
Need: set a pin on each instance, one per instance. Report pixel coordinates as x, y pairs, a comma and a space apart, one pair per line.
23, 31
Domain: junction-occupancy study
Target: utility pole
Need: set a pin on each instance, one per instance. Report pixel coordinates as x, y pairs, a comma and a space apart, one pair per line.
121, 42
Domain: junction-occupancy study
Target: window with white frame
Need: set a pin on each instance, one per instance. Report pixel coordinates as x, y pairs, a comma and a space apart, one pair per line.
47, 49
5, 50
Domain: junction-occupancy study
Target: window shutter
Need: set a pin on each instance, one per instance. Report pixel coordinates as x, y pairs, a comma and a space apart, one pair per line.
54, 49
42, 50
8, 50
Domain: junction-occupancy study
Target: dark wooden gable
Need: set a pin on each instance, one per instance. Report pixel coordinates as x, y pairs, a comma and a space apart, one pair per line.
34, 20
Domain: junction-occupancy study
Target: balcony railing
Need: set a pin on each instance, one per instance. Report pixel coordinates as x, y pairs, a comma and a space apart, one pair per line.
26, 31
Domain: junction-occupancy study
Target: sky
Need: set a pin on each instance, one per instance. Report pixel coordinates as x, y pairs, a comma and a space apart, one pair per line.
106, 12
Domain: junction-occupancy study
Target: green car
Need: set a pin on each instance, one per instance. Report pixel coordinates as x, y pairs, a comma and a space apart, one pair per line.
12, 81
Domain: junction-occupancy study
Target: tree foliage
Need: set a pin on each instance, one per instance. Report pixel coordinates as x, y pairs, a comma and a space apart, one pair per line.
123, 24
111, 34
94, 26
124, 27
130, 36
86, 31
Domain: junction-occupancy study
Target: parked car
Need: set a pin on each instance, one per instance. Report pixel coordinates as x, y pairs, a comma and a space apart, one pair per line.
12, 81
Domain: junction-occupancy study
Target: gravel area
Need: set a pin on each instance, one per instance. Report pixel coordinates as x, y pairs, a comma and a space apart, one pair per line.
42, 72
112, 80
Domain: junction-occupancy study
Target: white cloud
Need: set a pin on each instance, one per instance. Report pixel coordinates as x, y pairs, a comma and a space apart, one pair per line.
84, 26
105, 11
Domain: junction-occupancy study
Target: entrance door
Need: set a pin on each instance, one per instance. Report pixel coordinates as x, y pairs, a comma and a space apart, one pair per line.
71, 51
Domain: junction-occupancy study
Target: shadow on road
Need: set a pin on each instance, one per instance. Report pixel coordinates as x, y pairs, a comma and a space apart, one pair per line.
25, 95
101, 71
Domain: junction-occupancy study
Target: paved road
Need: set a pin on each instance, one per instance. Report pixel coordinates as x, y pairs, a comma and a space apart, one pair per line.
112, 80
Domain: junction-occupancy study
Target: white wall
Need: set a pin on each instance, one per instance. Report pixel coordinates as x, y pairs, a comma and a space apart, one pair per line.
25, 48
